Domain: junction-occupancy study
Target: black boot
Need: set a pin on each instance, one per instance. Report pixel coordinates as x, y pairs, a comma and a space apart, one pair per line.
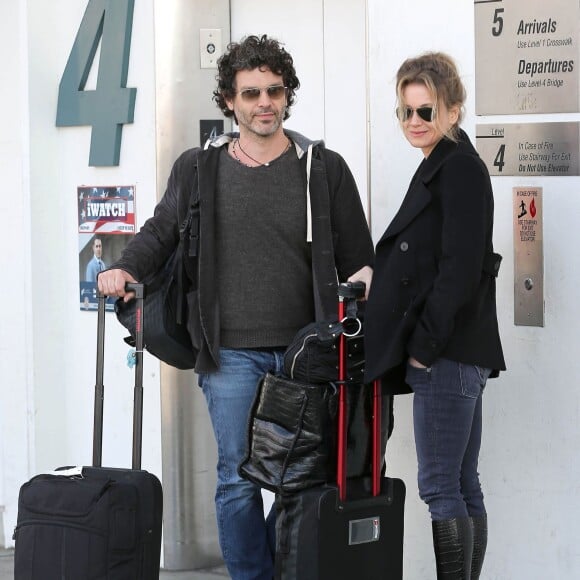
479, 524
453, 543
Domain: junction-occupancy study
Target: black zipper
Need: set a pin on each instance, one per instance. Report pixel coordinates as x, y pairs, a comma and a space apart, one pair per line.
299, 351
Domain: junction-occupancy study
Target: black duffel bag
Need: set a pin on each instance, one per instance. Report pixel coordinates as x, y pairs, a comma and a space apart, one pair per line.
291, 434
292, 426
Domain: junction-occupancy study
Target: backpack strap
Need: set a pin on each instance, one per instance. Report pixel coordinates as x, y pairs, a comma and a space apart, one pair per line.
188, 247
324, 277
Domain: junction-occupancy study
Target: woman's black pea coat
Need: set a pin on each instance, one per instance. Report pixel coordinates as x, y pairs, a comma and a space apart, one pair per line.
433, 289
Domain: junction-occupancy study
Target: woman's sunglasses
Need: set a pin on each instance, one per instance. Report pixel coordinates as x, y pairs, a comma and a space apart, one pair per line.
426, 113
274, 92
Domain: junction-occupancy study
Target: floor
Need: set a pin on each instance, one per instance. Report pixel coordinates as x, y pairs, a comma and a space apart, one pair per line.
7, 571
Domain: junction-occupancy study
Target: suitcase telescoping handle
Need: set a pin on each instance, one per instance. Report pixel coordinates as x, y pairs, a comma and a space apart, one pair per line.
349, 291
138, 289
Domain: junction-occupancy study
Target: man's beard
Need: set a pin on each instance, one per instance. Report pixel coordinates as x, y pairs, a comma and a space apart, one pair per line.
254, 126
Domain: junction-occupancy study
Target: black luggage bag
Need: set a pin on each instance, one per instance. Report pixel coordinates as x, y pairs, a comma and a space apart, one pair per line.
94, 523
331, 533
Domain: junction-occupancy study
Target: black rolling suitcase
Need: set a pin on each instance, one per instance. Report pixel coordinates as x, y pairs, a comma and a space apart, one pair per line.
93, 523
334, 533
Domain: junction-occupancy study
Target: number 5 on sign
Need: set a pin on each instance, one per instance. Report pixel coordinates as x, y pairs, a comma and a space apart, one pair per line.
111, 104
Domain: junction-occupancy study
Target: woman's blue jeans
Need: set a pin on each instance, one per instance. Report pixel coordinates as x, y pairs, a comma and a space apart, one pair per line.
246, 538
447, 420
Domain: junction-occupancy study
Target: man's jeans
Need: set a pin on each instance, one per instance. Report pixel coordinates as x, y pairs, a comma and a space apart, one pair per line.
247, 541
447, 421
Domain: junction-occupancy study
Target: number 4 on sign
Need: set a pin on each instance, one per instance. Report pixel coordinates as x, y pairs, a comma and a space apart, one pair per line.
111, 104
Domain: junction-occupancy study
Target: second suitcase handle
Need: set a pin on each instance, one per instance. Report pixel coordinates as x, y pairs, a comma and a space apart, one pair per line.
347, 292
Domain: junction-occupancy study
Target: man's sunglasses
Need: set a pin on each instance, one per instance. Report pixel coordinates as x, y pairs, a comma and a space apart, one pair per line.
426, 113
274, 92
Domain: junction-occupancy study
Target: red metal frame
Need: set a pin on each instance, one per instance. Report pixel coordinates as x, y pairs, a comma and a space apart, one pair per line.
342, 422
377, 428
342, 377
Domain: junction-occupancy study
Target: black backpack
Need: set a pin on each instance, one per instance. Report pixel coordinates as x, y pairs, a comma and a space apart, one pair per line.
165, 333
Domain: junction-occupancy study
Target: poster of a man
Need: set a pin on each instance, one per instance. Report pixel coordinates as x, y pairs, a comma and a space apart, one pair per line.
96, 263
106, 218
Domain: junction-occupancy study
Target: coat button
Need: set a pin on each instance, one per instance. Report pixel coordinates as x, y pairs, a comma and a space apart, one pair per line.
404, 246
405, 281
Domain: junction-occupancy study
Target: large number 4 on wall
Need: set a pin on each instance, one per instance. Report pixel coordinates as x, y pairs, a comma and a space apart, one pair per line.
111, 104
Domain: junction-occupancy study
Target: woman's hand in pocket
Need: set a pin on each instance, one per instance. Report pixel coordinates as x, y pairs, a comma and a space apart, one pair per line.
415, 363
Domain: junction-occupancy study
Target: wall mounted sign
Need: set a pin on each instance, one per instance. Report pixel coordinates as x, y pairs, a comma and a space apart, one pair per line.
528, 256
530, 148
108, 23
106, 218
526, 56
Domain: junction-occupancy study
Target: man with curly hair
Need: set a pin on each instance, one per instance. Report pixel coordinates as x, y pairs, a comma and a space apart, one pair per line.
272, 222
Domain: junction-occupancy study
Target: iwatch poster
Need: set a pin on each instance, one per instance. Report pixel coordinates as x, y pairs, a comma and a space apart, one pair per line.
106, 217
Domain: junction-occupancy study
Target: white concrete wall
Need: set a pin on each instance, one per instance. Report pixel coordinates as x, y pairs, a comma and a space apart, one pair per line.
47, 346
16, 350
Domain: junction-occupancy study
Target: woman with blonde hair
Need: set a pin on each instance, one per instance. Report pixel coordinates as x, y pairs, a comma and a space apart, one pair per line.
431, 322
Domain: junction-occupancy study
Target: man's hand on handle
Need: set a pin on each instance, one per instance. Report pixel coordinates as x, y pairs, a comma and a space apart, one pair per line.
112, 283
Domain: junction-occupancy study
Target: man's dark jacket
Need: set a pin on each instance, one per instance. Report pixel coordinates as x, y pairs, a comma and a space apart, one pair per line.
433, 290
341, 242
